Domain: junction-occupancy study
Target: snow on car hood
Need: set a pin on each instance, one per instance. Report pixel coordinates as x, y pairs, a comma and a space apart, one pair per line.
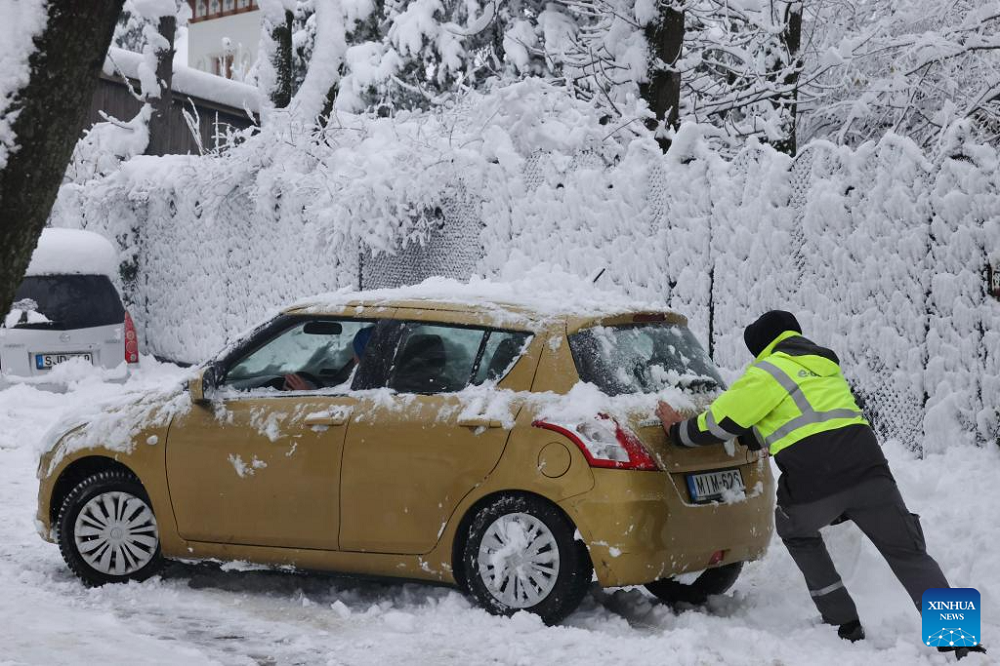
112, 424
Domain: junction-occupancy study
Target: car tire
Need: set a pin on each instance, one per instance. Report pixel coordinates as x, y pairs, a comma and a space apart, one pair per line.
107, 531
710, 582
521, 554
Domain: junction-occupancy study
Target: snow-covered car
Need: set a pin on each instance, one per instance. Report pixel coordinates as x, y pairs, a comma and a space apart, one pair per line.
508, 449
67, 307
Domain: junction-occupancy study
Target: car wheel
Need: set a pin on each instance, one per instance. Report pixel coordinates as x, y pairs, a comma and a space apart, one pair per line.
107, 532
711, 581
521, 554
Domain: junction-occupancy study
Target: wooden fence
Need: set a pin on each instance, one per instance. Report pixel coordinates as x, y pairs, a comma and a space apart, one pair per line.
213, 118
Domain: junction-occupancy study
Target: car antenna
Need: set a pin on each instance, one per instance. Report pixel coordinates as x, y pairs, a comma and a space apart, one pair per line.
598, 276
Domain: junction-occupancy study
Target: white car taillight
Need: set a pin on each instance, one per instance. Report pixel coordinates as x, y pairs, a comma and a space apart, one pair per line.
131, 340
605, 443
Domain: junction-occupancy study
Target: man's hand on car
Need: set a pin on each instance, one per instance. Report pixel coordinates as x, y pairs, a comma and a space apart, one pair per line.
294, 382
668, 416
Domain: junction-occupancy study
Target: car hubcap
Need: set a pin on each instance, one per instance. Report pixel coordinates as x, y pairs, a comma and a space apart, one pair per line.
116, 534
519, 560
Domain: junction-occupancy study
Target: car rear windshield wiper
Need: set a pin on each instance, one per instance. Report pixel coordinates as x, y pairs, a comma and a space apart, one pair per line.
700, 384
39, 325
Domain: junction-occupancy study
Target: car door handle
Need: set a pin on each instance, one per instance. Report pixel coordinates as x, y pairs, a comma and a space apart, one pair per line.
326, 419
479, 422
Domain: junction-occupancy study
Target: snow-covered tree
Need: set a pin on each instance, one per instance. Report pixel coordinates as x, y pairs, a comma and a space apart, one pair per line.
129, 30
914, 67
275, 71
105, 145
51, 57
741, 69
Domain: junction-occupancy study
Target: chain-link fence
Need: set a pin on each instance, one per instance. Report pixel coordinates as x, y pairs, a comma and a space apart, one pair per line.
877, 250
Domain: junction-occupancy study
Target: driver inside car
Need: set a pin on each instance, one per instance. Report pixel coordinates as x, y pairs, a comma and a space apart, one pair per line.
296, 382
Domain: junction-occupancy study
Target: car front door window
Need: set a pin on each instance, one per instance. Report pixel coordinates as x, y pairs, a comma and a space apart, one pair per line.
308, 355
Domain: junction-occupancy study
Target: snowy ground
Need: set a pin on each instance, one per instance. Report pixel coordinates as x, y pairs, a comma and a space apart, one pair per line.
201, 614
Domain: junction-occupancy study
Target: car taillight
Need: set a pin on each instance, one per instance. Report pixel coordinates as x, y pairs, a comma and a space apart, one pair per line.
131, 340
605, 443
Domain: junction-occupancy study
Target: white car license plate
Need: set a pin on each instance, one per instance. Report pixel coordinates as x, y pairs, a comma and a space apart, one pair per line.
712, 485
45, 361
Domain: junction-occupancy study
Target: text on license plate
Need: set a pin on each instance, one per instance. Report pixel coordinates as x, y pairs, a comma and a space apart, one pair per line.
43, 361
713, 485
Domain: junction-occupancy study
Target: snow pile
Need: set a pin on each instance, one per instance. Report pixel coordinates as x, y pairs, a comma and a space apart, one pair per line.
22, 21
73, 252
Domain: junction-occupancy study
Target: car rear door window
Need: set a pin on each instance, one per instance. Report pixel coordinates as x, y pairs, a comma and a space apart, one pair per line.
442, 358
500, 351
435, 358
69, 302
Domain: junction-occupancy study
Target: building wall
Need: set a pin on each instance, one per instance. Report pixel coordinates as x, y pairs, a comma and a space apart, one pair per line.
214, 120
206, 50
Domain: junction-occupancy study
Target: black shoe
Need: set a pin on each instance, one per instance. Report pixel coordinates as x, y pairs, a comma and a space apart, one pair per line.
852, 631
963, 651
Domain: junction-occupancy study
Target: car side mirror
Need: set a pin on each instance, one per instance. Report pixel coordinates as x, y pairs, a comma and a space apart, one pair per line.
202, 385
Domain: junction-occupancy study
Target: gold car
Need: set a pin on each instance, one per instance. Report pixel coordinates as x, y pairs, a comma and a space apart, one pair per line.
510, 452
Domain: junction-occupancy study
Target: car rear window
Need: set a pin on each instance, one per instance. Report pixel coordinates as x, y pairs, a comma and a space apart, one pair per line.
643, 358
72, 301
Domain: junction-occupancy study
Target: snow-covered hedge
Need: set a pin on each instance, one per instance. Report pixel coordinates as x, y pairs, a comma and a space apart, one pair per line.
880, 250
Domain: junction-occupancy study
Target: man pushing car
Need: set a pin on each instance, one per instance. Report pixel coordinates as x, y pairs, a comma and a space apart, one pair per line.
794, 400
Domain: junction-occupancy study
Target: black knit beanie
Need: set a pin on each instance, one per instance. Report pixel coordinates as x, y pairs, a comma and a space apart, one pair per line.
769, 326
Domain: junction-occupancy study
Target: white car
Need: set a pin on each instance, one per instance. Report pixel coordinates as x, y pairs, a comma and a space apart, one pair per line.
66, 308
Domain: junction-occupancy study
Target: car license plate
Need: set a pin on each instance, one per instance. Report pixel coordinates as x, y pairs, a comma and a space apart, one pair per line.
712, 485
45, 361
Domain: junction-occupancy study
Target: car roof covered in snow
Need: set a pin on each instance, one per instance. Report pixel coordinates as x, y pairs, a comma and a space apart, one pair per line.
560, 296
73, 252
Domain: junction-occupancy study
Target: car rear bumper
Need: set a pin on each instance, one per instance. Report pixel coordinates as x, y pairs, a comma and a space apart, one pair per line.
109, 375
640, 526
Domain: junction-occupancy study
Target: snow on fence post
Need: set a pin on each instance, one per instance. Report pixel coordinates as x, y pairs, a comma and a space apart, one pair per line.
752, 246
683, 258
964, 334
863, 287
889, 299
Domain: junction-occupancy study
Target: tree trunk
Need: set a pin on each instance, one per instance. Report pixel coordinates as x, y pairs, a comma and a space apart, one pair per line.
159, 123
662, 92
52, 109
281, 34
791, 39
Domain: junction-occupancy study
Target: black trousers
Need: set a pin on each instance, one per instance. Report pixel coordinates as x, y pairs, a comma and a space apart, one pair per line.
876, 507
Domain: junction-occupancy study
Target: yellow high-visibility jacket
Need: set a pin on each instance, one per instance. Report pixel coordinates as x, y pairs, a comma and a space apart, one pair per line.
794, 400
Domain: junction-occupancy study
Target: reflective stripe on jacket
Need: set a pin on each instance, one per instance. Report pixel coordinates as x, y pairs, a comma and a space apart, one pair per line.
793, 390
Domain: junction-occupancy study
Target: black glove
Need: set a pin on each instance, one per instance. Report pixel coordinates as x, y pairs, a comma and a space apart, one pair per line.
750, 442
